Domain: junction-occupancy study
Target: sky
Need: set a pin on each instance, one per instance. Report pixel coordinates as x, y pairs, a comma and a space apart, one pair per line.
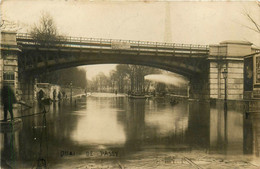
189, 22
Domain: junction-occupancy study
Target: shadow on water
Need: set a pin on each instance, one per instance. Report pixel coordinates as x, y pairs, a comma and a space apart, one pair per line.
234, 132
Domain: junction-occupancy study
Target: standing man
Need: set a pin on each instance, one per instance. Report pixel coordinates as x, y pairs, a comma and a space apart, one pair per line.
54, 95
40, 95
59, 96
8, 99
63, 94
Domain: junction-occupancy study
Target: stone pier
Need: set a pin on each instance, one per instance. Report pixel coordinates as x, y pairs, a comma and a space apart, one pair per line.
229, 56
22, 85
9, 61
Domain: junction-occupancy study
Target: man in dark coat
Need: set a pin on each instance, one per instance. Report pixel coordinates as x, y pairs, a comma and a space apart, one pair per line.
59, 96
54, 95
40, 95
8, 99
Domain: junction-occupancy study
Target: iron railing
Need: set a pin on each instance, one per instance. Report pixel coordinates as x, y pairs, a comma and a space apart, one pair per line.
81, 42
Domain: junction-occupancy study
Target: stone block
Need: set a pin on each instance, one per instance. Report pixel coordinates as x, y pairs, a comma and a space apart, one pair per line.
222, 86
1, 64
213, 65
235, 75
238, 80
11, 56
217, 50
235, 91
222, 81
214, 91
213, 75
235, 86
8, 38
236, 65
11, 68
241, 81
213, 96
213, 81
214, 86
238, 49
213, 70
235, 97
235, 70
222, 91
11, 62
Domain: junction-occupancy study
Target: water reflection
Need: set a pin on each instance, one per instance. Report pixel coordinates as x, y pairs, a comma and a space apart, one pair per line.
98, 124
226, 129
256, 133
130, 125
198, 134
134, 123
169, 120
247, 135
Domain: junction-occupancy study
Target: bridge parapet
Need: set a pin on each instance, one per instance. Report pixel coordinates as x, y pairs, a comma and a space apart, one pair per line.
118, 44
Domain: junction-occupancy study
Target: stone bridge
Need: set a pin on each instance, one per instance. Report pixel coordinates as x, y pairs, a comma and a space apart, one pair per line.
23, 57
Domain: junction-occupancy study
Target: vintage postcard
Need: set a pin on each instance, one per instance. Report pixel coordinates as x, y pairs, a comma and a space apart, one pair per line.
137, 84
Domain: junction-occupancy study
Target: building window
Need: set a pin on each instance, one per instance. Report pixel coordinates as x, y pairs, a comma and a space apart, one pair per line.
8, 75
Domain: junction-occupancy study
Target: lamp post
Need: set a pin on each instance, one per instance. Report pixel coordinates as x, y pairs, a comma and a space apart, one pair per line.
225, 72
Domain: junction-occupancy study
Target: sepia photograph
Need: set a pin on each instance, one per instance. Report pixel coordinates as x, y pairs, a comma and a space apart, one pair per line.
130, 84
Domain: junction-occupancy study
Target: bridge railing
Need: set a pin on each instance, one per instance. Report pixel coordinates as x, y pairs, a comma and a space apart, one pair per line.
82, 42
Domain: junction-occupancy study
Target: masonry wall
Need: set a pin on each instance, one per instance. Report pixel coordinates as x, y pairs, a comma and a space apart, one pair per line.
228, 55
11, 66
9, 61
235, 81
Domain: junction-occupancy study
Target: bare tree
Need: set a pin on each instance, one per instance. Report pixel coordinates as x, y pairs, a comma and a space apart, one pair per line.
45, 33
2, 23
255, 24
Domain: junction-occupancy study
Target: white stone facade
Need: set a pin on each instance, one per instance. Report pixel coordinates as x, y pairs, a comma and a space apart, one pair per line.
228, 55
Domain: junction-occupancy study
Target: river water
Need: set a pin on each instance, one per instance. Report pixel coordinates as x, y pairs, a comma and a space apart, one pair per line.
113, 131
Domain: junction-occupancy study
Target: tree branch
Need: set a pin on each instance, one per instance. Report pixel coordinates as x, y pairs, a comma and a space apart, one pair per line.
257, 26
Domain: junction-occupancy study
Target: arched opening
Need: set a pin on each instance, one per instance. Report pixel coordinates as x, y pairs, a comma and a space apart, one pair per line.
121, 78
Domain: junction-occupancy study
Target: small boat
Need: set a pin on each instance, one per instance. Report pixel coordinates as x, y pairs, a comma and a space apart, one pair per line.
137, 96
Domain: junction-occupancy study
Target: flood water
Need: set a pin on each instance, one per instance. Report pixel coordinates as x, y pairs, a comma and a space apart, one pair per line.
109, 131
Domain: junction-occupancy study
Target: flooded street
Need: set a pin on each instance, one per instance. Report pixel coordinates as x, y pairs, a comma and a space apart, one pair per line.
113, 131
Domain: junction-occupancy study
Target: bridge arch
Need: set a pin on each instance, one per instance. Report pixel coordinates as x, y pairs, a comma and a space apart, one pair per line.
186, 60
52, 65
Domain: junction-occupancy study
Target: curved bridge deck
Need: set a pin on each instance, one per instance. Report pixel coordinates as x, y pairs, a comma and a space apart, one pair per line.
117, 44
